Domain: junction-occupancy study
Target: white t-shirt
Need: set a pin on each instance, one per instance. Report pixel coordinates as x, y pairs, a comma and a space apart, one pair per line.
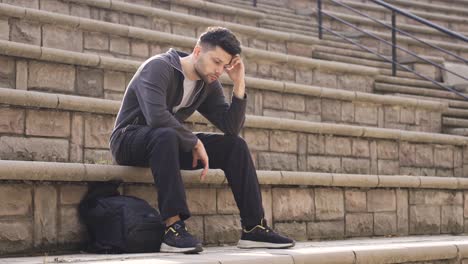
189, 86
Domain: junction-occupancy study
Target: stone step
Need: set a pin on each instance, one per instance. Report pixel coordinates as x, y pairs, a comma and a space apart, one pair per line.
455, 122
49, 127
393, 88
422, 249
407, 82
456, 112
435, 8
451, 103
333, 206
457, 131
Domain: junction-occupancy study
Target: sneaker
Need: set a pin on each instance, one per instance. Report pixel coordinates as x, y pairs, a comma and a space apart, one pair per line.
178, 240
262, 236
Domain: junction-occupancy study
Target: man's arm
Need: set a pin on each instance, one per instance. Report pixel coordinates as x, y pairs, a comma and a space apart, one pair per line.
151, 89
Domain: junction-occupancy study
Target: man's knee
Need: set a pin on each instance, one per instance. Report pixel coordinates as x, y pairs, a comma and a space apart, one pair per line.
236, 141
165, 135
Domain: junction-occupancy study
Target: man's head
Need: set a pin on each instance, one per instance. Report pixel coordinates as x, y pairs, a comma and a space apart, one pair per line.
214, 52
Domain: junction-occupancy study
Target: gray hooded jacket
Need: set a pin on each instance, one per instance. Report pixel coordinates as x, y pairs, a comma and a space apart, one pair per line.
157, 87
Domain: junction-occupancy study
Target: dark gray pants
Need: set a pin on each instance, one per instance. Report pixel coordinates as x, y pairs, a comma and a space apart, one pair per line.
159, 149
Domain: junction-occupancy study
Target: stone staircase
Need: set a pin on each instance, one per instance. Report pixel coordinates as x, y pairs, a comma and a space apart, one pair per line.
362, 164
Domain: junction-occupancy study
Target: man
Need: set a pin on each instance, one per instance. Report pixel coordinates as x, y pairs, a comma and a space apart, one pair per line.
167, 89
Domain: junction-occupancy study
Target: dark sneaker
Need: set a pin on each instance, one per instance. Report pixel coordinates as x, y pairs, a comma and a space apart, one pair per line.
178, 240
262, 236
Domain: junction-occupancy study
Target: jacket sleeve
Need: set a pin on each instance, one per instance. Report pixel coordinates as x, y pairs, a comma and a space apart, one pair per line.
228, 118
151, 88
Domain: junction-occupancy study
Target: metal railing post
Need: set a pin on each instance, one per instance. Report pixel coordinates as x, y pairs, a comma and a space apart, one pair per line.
255, 3
319, 18
394, 55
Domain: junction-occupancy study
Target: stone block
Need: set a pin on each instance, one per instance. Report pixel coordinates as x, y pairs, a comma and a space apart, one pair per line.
407, 154
21, 75
359, 224
139, 48
402, 211
387, 150
329, 204
38, 149
323, 164
71, 230
97, 131
315, 144
313, 106
257, 43
76, 139
45, 215
183, 30
355, 201
278, 114
347, 112
267, 202
277, 47
325, 79
304, 76
96, 41
407, 115
195, 226
443, 157
201, 200
80, 10
263, 69
283, 141
114, 81
326, 230
294, 230
381, 200
444, 173
222, 229
435, 197
424, 220
145, 192
90, 82
16, 236
51, 76
287, 208
34, 4
12, 120
98, 156
225, 202
120, 45
62, 38
359, 83
385, 224
16, 200
298, 49
452, 219
25, 32
72, 194
465, 209
108, 16
161, 25
142, 21
331, 110
366, 114
257, 139
424, 155
295, 103
388, 167
339, 146
357, 166
283, 73
47, 123
277, 161
4, 29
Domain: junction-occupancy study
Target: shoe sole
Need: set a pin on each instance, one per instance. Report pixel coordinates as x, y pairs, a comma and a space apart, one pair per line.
256, 244
170, 249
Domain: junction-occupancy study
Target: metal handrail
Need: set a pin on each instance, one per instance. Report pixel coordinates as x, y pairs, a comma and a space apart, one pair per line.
393, 44
421, 20
400, 31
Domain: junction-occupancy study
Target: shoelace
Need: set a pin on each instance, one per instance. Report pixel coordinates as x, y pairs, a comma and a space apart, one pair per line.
182, 231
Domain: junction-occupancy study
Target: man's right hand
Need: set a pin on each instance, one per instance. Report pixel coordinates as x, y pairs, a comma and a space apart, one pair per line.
199, 153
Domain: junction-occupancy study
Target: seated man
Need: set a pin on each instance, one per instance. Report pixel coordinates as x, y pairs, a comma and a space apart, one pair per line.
166, 90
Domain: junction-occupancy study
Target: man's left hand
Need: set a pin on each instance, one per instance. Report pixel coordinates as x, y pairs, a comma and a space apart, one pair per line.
236, 70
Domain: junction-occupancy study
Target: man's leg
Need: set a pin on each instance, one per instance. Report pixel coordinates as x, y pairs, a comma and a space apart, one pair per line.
231, 154
159, 148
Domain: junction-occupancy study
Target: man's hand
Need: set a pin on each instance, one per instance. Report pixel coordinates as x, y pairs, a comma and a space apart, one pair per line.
199, 153
236, 72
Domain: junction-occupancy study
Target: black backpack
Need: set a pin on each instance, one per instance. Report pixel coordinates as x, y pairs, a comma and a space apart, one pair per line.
119, 224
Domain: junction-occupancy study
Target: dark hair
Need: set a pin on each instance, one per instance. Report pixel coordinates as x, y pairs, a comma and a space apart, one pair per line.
222, 37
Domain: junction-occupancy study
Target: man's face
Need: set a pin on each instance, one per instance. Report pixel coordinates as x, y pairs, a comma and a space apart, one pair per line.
210, 63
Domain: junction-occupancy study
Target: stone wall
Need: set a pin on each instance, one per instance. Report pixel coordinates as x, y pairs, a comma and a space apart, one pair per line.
68, 136
44, 215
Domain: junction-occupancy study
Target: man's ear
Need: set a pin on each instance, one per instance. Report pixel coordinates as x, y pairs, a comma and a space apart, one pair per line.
196, 51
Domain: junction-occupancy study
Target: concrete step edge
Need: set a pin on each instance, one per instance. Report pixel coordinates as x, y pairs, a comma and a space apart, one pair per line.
78, 172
